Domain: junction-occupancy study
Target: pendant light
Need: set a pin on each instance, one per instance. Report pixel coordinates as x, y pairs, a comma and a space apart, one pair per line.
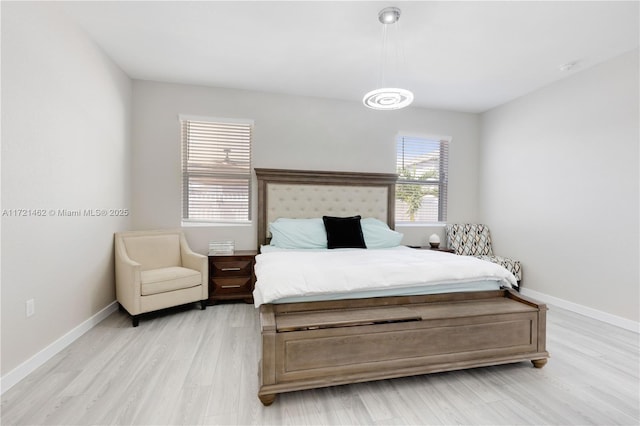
388, 98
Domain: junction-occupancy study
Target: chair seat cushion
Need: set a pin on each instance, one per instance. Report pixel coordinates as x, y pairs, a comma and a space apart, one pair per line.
511, 265
161, 280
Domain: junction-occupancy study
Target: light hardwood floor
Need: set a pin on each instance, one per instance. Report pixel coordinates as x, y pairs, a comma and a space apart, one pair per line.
200, 367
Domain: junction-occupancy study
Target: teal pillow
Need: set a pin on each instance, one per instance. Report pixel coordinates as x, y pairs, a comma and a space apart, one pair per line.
377, 234
298, 233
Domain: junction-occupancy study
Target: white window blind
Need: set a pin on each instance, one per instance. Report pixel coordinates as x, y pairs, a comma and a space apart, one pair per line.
421, 190
216, 170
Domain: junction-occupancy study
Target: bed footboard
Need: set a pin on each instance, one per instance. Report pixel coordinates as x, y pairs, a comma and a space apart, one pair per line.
319, 344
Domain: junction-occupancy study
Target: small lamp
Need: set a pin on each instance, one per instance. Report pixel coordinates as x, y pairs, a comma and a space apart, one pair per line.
434, 241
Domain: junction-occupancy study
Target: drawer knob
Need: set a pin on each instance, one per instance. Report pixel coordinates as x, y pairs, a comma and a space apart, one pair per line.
229, 269
231, 286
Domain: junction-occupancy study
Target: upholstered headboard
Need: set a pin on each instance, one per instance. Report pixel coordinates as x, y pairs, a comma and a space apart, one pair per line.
308, 194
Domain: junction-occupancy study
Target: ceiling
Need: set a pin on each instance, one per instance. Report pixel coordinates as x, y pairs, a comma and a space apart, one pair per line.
462, 56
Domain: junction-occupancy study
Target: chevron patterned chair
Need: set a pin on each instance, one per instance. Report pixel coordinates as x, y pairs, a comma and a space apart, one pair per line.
469, 239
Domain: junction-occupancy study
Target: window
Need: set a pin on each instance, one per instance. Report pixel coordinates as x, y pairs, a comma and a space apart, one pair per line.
421, 191
216, 169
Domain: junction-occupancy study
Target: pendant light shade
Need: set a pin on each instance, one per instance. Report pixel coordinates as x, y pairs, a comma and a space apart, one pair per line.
388, 97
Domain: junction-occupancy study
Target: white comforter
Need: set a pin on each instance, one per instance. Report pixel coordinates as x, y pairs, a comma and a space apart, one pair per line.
292, 273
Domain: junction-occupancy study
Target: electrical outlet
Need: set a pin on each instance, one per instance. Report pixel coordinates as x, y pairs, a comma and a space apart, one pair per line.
31, 307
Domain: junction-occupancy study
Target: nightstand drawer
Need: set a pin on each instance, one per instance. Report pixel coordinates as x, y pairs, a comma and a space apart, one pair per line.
231, 285
232, 268
231, 276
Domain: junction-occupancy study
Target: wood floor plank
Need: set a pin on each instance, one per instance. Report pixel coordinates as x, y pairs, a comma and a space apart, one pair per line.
188, 366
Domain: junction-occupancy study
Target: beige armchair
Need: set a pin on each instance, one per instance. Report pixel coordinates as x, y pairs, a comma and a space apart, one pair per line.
157, 270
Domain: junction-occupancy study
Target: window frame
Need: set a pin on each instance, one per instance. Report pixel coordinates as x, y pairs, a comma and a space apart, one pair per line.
186, 174
442, 181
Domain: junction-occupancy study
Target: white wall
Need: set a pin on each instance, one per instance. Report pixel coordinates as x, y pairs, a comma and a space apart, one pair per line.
65, 145
560, 186
290, 132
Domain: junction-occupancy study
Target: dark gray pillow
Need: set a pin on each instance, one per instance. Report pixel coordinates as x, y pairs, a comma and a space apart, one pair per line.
344, 232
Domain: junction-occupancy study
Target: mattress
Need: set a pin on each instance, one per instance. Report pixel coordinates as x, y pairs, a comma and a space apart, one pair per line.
286, 275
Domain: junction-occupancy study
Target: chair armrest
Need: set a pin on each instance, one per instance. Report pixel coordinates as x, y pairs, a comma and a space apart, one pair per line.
191, 259
128, 287
196, 261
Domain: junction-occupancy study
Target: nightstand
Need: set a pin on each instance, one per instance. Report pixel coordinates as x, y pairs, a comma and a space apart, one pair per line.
231, 276
443, 249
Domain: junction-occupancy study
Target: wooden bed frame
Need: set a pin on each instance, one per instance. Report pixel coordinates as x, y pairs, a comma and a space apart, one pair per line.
316, 344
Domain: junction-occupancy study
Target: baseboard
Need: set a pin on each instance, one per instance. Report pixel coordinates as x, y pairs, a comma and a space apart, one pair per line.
625, 323
23, 370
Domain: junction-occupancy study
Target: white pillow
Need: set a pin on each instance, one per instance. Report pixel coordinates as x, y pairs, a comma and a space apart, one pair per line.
298, 233
377, 234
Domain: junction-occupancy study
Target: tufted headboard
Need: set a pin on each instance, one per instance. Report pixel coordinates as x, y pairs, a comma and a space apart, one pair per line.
307, 194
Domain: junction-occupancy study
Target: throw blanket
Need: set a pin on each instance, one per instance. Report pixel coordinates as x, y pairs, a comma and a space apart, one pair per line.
291, 273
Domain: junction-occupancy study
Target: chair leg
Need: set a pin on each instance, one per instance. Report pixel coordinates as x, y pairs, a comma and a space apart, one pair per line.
135, 319
203, 304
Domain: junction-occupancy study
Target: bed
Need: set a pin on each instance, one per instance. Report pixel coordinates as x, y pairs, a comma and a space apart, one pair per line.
337, 337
